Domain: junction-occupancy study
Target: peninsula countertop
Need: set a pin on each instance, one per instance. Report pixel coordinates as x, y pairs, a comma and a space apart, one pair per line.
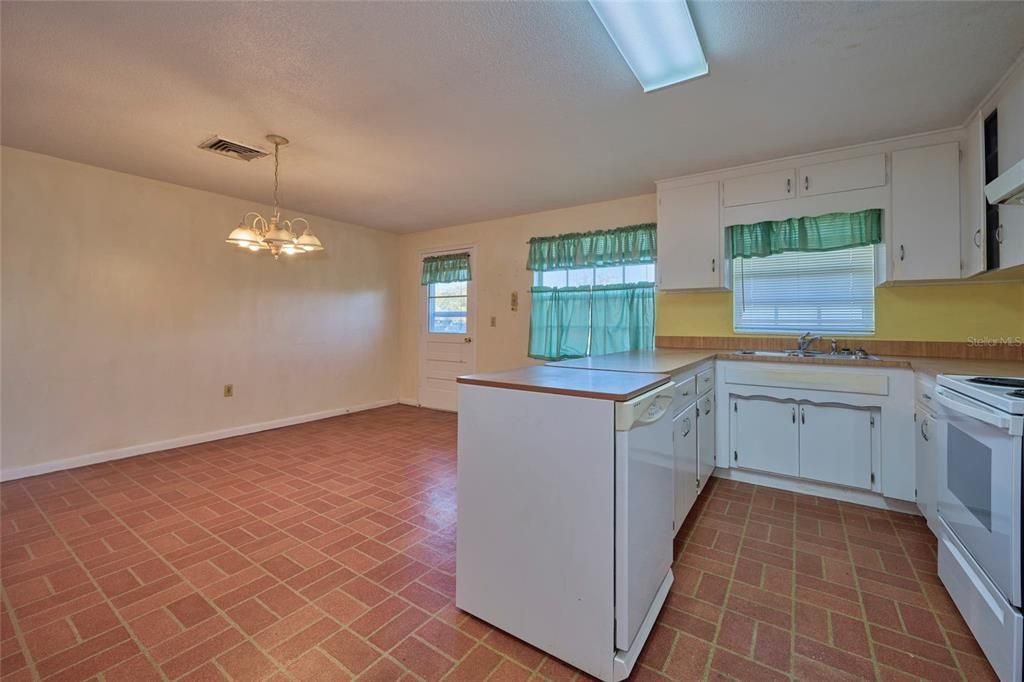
602, 385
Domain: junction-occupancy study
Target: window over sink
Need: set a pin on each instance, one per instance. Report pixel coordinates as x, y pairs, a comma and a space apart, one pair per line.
826, 292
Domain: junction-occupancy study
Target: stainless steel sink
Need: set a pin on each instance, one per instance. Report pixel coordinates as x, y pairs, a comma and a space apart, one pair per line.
852, 355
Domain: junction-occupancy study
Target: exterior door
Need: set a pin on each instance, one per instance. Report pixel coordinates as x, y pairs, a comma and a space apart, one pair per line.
447, 349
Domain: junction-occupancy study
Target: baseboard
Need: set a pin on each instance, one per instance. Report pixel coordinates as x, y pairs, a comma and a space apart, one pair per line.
182, 441
412, 402
832, 492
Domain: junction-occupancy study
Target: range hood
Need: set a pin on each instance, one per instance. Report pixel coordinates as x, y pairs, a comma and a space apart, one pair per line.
1008, 188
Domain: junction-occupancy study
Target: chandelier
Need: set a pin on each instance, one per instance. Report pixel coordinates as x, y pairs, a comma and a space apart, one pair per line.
274, 235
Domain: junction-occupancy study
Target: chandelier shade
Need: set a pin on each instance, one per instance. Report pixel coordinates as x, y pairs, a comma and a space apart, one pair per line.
275, 234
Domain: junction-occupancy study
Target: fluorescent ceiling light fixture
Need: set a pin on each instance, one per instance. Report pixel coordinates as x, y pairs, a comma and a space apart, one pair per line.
656, 38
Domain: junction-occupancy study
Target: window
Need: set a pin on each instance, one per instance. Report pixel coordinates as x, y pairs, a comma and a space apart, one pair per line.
447, 304
582, 277
828, 292
592, 311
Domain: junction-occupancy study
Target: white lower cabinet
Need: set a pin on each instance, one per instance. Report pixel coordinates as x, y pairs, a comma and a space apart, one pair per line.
684, 443
836, 444
926, 454
764, 435
826, 443
705, 439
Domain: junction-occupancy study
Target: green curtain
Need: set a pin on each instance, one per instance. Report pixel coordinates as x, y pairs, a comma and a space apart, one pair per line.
559, 322
621, 246
451, 267
622, 318
828, 232
574, 322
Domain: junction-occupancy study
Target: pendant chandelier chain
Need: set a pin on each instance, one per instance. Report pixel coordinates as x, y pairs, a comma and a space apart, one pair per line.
277, 146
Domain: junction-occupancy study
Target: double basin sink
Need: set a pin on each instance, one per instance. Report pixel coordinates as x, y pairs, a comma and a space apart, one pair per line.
838, 355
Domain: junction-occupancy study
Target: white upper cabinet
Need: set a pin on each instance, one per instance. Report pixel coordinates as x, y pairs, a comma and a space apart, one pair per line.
689, 237
841, 176
972, 218
924, 223
1011, 150
759, 188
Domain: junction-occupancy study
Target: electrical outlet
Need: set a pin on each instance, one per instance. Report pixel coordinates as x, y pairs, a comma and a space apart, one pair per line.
229, 390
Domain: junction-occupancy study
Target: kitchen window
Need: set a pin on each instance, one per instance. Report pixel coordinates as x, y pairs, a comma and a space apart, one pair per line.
808, 274
828, 293
593, 293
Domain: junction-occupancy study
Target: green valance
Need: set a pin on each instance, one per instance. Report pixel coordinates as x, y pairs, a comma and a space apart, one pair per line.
451, 267
620, 246
828, 232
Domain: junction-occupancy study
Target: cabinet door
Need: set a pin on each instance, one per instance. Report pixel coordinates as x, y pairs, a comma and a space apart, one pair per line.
689, 238
925, 216
1011, 236
842, 176
972, 219
705, 439
835, 445
765, 435
926, 456
684, 443
759, 188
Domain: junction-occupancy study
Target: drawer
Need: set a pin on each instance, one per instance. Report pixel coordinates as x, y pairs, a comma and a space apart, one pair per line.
924, 391
705, 381
686, 393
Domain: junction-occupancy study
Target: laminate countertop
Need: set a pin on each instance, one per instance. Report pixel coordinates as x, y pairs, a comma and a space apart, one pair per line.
673, 361
597, 384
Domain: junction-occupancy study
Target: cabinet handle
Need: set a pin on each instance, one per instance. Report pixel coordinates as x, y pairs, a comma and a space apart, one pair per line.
712, 265
926, 396
807, 182
902, 252
977, 237
789, 185
924, 431
999, 234
794, 415
686, 424
803, 417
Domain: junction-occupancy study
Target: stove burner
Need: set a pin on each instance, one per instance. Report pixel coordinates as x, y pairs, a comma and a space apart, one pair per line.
998, 381
1016, 394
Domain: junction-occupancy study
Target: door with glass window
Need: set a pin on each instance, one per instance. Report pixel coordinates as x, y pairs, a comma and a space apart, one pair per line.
447, 348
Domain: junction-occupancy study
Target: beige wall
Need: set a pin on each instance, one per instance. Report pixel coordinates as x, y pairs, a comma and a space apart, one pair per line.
500, 269
124, 313
950, 312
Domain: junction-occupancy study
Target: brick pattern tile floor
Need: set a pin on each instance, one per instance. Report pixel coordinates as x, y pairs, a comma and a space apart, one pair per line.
325, 551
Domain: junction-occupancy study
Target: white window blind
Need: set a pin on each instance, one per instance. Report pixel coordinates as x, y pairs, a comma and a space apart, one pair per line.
829, 292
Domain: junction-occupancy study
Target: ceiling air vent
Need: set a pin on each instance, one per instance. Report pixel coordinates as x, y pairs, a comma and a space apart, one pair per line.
234, 150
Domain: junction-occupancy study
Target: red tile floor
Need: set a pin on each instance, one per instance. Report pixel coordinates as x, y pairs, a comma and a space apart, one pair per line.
326, 551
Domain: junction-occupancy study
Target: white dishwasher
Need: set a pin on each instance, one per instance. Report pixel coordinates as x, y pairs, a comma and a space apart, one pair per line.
565, 510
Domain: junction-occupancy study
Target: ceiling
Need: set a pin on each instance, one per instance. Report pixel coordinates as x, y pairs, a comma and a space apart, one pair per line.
408, 116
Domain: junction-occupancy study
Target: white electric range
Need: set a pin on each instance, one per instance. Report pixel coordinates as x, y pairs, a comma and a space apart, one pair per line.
980, 506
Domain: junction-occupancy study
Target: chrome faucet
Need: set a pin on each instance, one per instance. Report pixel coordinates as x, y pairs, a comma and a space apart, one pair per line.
806, 340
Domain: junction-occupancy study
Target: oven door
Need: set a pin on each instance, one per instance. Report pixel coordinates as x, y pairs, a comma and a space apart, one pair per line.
980, 487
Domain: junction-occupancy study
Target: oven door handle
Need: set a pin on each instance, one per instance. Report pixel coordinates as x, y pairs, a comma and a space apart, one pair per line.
972, 408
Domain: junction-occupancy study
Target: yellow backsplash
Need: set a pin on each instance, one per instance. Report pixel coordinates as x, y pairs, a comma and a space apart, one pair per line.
946, 312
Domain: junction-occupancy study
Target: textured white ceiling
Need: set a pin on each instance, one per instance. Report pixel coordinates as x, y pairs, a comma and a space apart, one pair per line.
407, 116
